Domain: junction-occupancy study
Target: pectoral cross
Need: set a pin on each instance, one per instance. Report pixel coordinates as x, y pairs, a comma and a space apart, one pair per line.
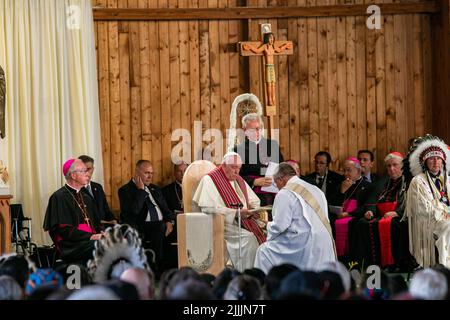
267, 48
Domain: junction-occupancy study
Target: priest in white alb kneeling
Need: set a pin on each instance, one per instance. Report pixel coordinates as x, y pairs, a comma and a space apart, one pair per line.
221, 192
300, 233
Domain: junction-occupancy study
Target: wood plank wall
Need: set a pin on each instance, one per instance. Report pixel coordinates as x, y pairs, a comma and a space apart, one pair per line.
345, 88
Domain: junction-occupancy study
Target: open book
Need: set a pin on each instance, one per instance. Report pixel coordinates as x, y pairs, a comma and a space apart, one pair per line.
335, 209
259, 209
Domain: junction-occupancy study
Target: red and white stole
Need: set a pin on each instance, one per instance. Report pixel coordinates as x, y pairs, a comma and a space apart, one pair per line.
230, 197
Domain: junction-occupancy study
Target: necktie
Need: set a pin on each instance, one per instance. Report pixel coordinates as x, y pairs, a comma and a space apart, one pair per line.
320, 182
89, 189
152, 209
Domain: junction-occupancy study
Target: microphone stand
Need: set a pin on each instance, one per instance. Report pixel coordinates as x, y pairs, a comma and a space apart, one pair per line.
239, 206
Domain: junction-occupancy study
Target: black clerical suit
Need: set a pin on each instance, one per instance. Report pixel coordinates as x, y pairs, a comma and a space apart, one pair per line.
255, 159
99, 197
64, 219
333, 182
173, 193
134, 209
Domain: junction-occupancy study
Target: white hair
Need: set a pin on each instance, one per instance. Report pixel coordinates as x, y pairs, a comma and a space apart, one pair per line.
428, 284
227, 158
94, 292
339, 268
391, 156
251, 117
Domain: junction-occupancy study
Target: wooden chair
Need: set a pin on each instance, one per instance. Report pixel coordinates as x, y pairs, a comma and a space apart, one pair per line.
195, 229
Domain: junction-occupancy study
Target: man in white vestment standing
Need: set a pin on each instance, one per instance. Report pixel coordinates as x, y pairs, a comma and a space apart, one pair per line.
221, 192
300, 233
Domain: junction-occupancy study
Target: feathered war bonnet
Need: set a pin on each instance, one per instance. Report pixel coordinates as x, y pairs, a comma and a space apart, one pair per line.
119, 245
424, 148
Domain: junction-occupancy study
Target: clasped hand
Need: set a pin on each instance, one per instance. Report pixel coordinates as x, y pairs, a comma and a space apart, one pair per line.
246, 214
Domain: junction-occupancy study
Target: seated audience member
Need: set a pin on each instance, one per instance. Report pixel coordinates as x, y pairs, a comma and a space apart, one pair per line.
352, 195
332, 287
118, 250
222, 281
300, 285
381, 237
428, 284
94, 292
10, 289
95, 190
244, 287
191, 289
446, 272
275, 277
16, 266
427, 201
42, 283
325, 179
173, 193
339, 268
366, 158
143, 280
72, 218
143, 207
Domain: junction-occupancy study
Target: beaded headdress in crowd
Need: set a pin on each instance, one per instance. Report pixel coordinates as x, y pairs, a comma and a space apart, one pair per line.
119, 248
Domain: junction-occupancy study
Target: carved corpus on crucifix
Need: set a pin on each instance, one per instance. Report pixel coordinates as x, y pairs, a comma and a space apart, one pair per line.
268, 48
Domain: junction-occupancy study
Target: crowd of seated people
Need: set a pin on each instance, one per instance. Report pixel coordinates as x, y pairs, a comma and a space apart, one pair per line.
19, 281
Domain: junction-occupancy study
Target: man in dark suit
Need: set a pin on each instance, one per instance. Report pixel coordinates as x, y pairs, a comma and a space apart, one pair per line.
325, 179
366, 158
173, 193
143, 207
256, 152
96, 192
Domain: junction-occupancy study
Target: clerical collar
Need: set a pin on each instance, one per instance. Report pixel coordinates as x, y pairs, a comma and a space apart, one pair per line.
74, 189
255, 142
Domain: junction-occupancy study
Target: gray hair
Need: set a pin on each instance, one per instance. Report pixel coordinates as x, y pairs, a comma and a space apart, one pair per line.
228, 156
284, 169
71, 169
94, 292
251, 117
428, 284
10, 289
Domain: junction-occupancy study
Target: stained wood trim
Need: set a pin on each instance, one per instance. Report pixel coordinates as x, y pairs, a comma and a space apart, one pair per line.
259, 13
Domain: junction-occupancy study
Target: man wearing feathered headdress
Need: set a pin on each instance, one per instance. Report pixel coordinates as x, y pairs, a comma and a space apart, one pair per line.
427, 205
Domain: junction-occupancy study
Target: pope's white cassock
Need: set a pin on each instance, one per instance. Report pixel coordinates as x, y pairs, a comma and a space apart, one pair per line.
296, 235
207, 197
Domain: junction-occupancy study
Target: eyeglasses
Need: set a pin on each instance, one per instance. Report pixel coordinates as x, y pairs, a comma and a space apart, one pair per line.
81, 171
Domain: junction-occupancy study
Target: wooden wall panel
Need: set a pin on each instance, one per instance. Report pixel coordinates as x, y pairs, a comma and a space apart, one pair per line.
345, 88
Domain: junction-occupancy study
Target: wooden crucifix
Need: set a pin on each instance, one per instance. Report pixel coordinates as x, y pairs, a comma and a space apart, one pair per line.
267, 48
